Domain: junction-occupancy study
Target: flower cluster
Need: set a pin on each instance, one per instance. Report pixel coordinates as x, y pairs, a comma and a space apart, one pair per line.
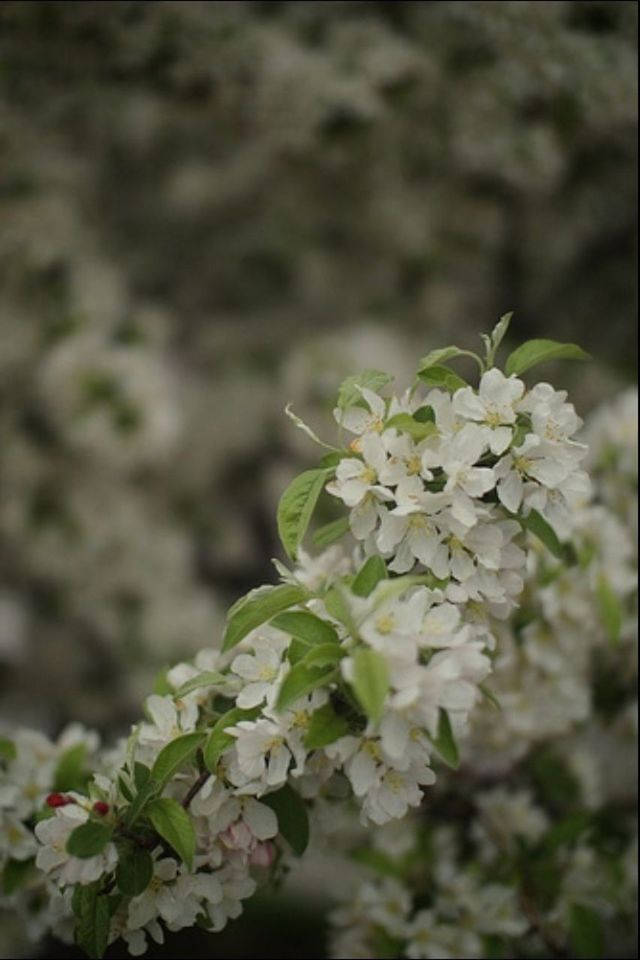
356, 675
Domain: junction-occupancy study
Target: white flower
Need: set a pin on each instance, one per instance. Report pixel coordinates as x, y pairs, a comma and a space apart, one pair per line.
358, 419
493, 405
170, 718
263, 671
263, 756
54, 832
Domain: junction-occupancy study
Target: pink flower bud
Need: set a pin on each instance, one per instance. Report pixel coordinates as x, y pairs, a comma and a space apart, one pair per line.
263, 854
58, 800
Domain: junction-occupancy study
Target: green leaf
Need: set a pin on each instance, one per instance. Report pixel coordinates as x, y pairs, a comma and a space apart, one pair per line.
539, 527
306, 626
301, 680
405, 423
436, 358
537, 351
94, 920
176, 755
441, 377
587, 935
16, 874
425, 414
141, 774
144, 795
324, 728
161, 685
134, 870
69, 773
349, 394
370, 681
174, 825
257, 607
219, 740
89, 839
7, 749
296, 507
338, 607
208, 678
610, 610
445, 742
330, 532
293, 819
493, 341
324, 654
297, 650
369, 576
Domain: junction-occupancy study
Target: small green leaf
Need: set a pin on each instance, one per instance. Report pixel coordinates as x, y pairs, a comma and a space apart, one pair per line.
436, 358
89, 839
493, 341
425, 415
338, 608
69, 773
219, 740
445, 742
324, 728
349, 394
300, 681
141, 774
405, 423
305, 626
174, 825
16, 874
323, 655
134, 870
330, 532
176, 755
161, 685
297, 650
208, 678
369, 576
144, 795
541, 529
293, 819
537, 351
93, 920
587, 935
441, 377
7, 749
257, 607
370, 681
610, 610
296, 507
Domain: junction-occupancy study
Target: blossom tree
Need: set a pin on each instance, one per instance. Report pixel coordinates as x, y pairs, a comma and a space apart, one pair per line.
351, 689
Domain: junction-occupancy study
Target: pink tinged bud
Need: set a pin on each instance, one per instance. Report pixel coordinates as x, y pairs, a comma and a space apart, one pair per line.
263, 854
101, 807
58, 800
239, 837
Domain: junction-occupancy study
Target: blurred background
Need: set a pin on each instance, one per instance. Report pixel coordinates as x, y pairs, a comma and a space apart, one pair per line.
211, 209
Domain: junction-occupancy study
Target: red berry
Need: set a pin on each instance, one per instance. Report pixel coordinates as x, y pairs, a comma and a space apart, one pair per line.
101, 807
58, 800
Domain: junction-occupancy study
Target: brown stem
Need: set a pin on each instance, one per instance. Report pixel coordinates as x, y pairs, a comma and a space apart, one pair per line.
195, 788
147, 842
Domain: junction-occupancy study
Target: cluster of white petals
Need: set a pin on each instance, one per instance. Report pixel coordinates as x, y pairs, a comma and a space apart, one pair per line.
357, 685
